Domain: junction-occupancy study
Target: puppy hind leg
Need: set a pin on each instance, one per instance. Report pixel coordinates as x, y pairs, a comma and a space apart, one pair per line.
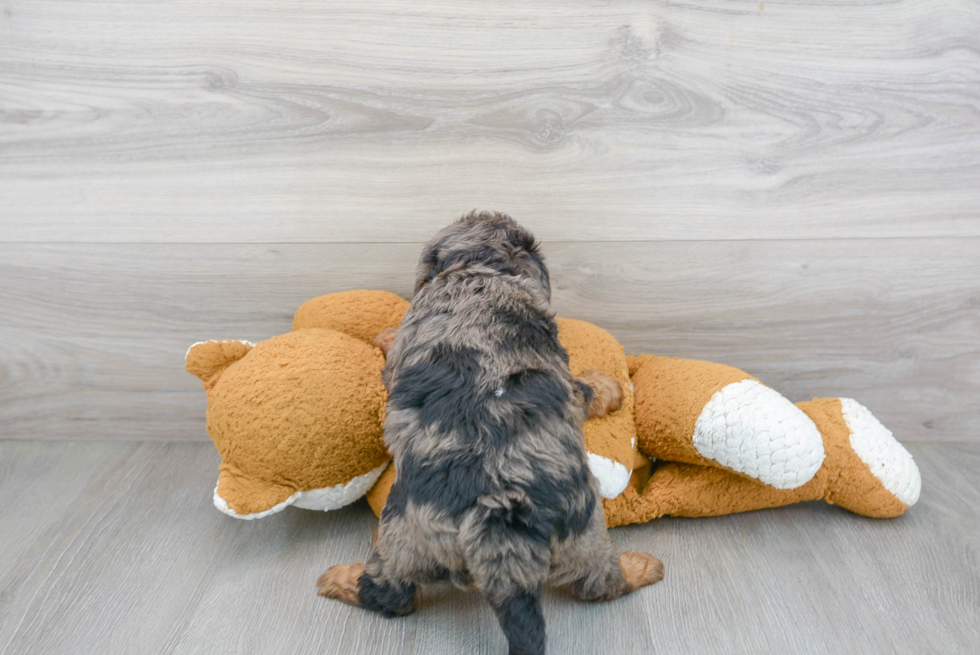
366, 586
603, 579
522, 621
388, 597
620, 575
340, 582
596, 568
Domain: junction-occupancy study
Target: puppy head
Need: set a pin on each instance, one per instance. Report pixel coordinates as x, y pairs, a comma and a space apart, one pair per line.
490, 240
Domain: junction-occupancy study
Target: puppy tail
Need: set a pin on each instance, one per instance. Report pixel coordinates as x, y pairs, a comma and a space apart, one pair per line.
521, 618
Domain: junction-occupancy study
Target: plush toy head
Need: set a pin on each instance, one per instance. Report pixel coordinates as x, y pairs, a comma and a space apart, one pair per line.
298, 419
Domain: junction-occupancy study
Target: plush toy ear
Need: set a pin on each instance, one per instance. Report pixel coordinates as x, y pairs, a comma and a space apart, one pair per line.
207, 359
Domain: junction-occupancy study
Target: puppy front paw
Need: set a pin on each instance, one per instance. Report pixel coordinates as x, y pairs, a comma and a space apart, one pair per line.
385, 340
340, 582
607, 395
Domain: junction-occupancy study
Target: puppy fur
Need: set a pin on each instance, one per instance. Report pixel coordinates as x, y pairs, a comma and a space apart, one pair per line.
484, 421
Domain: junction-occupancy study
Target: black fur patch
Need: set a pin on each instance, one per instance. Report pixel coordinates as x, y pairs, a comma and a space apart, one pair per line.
436, 387
445, 392
451, 483
559, 507
532, 332
557, 512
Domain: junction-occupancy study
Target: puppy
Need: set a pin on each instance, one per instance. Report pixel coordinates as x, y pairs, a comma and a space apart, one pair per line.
484, 421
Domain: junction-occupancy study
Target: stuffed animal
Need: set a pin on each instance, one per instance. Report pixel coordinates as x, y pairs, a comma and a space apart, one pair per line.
298, 421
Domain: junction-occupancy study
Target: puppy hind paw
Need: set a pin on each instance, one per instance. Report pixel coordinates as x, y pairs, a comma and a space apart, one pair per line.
640, 569
340, 582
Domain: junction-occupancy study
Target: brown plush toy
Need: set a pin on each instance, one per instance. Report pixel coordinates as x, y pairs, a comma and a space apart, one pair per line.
298, 420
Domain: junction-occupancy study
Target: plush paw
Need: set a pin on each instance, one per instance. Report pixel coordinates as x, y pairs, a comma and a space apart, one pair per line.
884, 456
340, 582
751, 429
640, 569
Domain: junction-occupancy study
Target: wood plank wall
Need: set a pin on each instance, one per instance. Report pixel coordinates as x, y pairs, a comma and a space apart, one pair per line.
788, 187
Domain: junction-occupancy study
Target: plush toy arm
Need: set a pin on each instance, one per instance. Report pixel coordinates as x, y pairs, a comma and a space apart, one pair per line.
377, 495
718, 416
361, 314
677, 489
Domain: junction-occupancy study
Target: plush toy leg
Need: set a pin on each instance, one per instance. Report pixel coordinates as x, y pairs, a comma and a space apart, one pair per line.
714, 415
866, 471
677, 489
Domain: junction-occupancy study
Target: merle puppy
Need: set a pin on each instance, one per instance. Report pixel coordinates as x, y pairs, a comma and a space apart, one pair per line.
484, 421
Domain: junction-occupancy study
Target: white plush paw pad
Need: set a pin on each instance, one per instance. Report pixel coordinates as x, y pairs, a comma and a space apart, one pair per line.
325, 499
749, 428
612, 476
884, 455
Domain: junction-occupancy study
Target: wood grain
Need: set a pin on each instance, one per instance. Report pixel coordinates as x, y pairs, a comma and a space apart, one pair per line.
118, 549
92, 337
248, 121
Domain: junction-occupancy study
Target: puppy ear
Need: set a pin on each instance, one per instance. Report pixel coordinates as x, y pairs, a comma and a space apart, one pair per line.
531, 262
545, 278
521, 244
426, 270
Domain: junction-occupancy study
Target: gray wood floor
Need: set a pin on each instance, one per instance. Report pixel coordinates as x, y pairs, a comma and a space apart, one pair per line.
114, 547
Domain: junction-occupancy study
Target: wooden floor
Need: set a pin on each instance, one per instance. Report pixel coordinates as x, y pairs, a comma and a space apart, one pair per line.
114, 547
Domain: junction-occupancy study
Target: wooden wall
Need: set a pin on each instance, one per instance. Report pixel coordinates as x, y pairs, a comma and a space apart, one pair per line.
788, 187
